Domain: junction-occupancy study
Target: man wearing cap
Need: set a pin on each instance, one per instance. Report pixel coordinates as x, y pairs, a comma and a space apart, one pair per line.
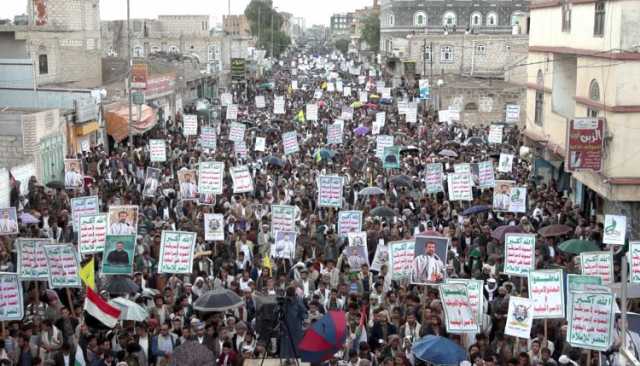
201, 337
427, 267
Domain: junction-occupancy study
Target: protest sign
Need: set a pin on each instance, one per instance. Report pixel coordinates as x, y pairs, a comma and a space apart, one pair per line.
382, 142
591, 320
347, 113
236, 131
518, 200
546, 289
458, 314
476, 297
519, 254
242, 180
505, 164
62, 260
346, 91
157, 150
208, 138
334, 134
502, 195
339, 86
391, 157
294, 84
615, 229
363, 96
317, 94
176, 252
278, 105
381, 257
412, 113
519, 317
386, 93
349, 221
598, 264
260, 103
495, 134
260, 144
213, 227
232, 112
87, 205
190, 125
11, 303
462, 168
585, 144
188, 184
459, 185
312, 112
486, 176
32, 262
117, 258
151, 182
226, 99
380, 86
403, 105
210, 174
9, 221
512, 113
634, 261
73, 174
401, 259
240, 149
355, 253
381, 118
430, 256
93, 233
283, 218
423, 87
330, 191
433, 178
290, 142
284, 245
577, 283
331, 87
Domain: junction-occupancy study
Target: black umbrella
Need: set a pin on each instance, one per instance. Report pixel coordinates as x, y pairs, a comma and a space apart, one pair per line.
122, 285
192, 353
217, 300
401, 180
382, 211
55, 184
409, 149
274, 160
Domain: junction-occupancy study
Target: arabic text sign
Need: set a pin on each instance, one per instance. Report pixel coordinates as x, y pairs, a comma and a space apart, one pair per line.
495, 134
591, 320
334, 134
519, 317
634, 261
278, 105
312, 112
261, 143
585, 144
176, 252
157, 150
190, 125
519, 254
615, 229
433, 178
349, 221
242, 181
63, 265
283, 218
32, 262
476, 298
546, 289
93, 233
208, 138
459, 187
210, 174
512, 113
458, 313
290, 142
236, 131
11, 304
401, 255
486, 176
87, 205
381, 118
330, 191
260, 101
232, 112
383, 141
597, 264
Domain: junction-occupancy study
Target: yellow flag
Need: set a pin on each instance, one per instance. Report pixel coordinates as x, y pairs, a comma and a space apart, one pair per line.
87, 274
266, 262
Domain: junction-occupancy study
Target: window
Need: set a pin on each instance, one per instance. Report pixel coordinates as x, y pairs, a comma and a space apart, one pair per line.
481, 50
138, 51
427, 53
446, 54
155, 49
492, 19
174, 49
539, 106
566, 15
476, 19
420, 19
390, 19
43, 64
598, 21
594, 94
471, 107
449, 19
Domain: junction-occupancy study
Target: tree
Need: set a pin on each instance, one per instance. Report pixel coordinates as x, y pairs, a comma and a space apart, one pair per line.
266, 26
342, 45
371, 32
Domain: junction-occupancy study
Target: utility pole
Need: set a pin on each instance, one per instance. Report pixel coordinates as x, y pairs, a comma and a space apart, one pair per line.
130, 63
272, 32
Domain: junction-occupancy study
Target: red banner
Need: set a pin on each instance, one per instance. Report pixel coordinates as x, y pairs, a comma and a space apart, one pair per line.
585, 144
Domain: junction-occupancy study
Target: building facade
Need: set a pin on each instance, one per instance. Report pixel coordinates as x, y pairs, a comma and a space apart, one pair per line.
584, 61
236, 25
341, 25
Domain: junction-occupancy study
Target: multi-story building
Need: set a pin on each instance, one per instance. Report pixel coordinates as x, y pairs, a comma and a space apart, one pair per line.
297, 25
584, 61
341, 25
236, 25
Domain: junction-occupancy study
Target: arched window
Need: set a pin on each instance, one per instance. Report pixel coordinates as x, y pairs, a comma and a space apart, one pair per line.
420, 19
476, 19
155, 49
492, 19
471, 107
174, 49
539, 102
594, 94
390, 19
43, 61
138, 51
449, 19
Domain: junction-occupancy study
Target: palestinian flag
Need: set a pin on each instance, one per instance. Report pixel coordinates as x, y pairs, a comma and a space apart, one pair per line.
361, 332
97, 307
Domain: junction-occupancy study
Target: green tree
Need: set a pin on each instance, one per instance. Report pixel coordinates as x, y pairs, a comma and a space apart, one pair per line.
342, 45
371, 32
266, 26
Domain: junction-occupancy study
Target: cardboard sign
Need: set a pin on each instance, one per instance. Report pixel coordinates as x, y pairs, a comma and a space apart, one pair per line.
93, 233
290, 142
190, 125
284, 245
412, 113
260, 103
462, 168
634, 261
117, 258
64, 266
363, 97
495, 134
260, 144
519, 254
236, 131
401, 259
334, 134
226, 99
208, 138
476, 297
381, 257
157, 150
242, 180
512, 113
486, 175
346, 91
73, 174
232, 112
151, 182
459, 185
213, 227
32, 261
505, 164
591, 320
382, 142
355, 252
546, 289
312, 112
349, 221
577, 283
434, 177
80, 206
423, 87
458, 314
9, 221
176, 252
391, 157
283, 218
330, 191
188, 184
381, 118
502, 195
210, 175
11, 302
598, 264
585, 144
347, 113
278, 105
615, 229
519, 317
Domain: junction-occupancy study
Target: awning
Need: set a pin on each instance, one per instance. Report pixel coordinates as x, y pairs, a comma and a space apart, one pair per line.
117, 116
86, 128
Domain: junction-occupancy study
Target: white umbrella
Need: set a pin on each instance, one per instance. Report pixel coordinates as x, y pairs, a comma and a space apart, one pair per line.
129, 309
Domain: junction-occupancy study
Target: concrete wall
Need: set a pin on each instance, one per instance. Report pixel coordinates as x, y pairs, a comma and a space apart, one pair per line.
185, 24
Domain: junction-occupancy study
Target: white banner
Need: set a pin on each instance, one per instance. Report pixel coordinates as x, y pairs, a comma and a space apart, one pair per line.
519, 254
312, 112
519, 317
290, 142
458, 314
382, 142
260, 144
232, 112
210, 175
260, 103
242, 180
190, 125
11, 302
208, 138
546, 288
598, 264
176, 252
459, 187
236, 131
157, 150
495, 134
278, 105
93, 233
213, 227
615, 229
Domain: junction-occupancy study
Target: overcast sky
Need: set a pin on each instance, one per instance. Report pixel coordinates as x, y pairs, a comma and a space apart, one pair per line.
314, 11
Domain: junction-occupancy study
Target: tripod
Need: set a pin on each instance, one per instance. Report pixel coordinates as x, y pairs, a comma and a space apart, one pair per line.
280, 316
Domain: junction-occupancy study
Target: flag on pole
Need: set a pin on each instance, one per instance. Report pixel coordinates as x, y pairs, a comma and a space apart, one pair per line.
361, 332
87, 274
97, 307
79, 360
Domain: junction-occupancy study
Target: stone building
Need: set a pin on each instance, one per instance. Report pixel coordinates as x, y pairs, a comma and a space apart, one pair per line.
341, 25
236, 25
